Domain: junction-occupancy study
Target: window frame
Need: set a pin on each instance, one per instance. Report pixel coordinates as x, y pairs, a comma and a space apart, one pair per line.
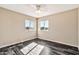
44, 25
29, 27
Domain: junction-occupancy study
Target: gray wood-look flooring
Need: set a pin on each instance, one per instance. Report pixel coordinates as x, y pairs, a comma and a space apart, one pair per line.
49, 49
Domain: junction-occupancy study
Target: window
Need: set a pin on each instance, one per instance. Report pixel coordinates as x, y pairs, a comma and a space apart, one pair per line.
29, 24
44, 25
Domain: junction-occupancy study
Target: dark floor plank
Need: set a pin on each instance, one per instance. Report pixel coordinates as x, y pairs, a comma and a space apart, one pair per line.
50, 48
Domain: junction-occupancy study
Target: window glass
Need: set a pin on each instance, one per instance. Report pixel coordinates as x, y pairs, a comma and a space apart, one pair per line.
29, 24
44, 25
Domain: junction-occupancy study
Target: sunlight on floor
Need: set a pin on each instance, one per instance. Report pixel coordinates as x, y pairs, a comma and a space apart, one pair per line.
32, 49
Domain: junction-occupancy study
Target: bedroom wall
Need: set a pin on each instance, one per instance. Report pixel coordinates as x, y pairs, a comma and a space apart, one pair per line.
63, 28
12, 28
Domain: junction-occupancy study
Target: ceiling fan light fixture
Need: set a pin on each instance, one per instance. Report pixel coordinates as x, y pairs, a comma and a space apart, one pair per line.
38, 11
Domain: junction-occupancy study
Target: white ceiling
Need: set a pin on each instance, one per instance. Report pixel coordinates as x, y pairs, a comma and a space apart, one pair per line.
46, 9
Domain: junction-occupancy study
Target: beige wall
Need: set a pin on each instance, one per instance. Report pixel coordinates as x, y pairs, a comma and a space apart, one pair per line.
62, 28
12, 28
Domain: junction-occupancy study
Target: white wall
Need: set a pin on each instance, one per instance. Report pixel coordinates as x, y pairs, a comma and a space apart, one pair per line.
62, 28
12, 28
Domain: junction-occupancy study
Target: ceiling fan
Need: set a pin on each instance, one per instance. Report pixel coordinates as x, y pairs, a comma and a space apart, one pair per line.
38, 8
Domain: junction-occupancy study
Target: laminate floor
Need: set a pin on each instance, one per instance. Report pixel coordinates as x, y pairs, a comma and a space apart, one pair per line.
49, 48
